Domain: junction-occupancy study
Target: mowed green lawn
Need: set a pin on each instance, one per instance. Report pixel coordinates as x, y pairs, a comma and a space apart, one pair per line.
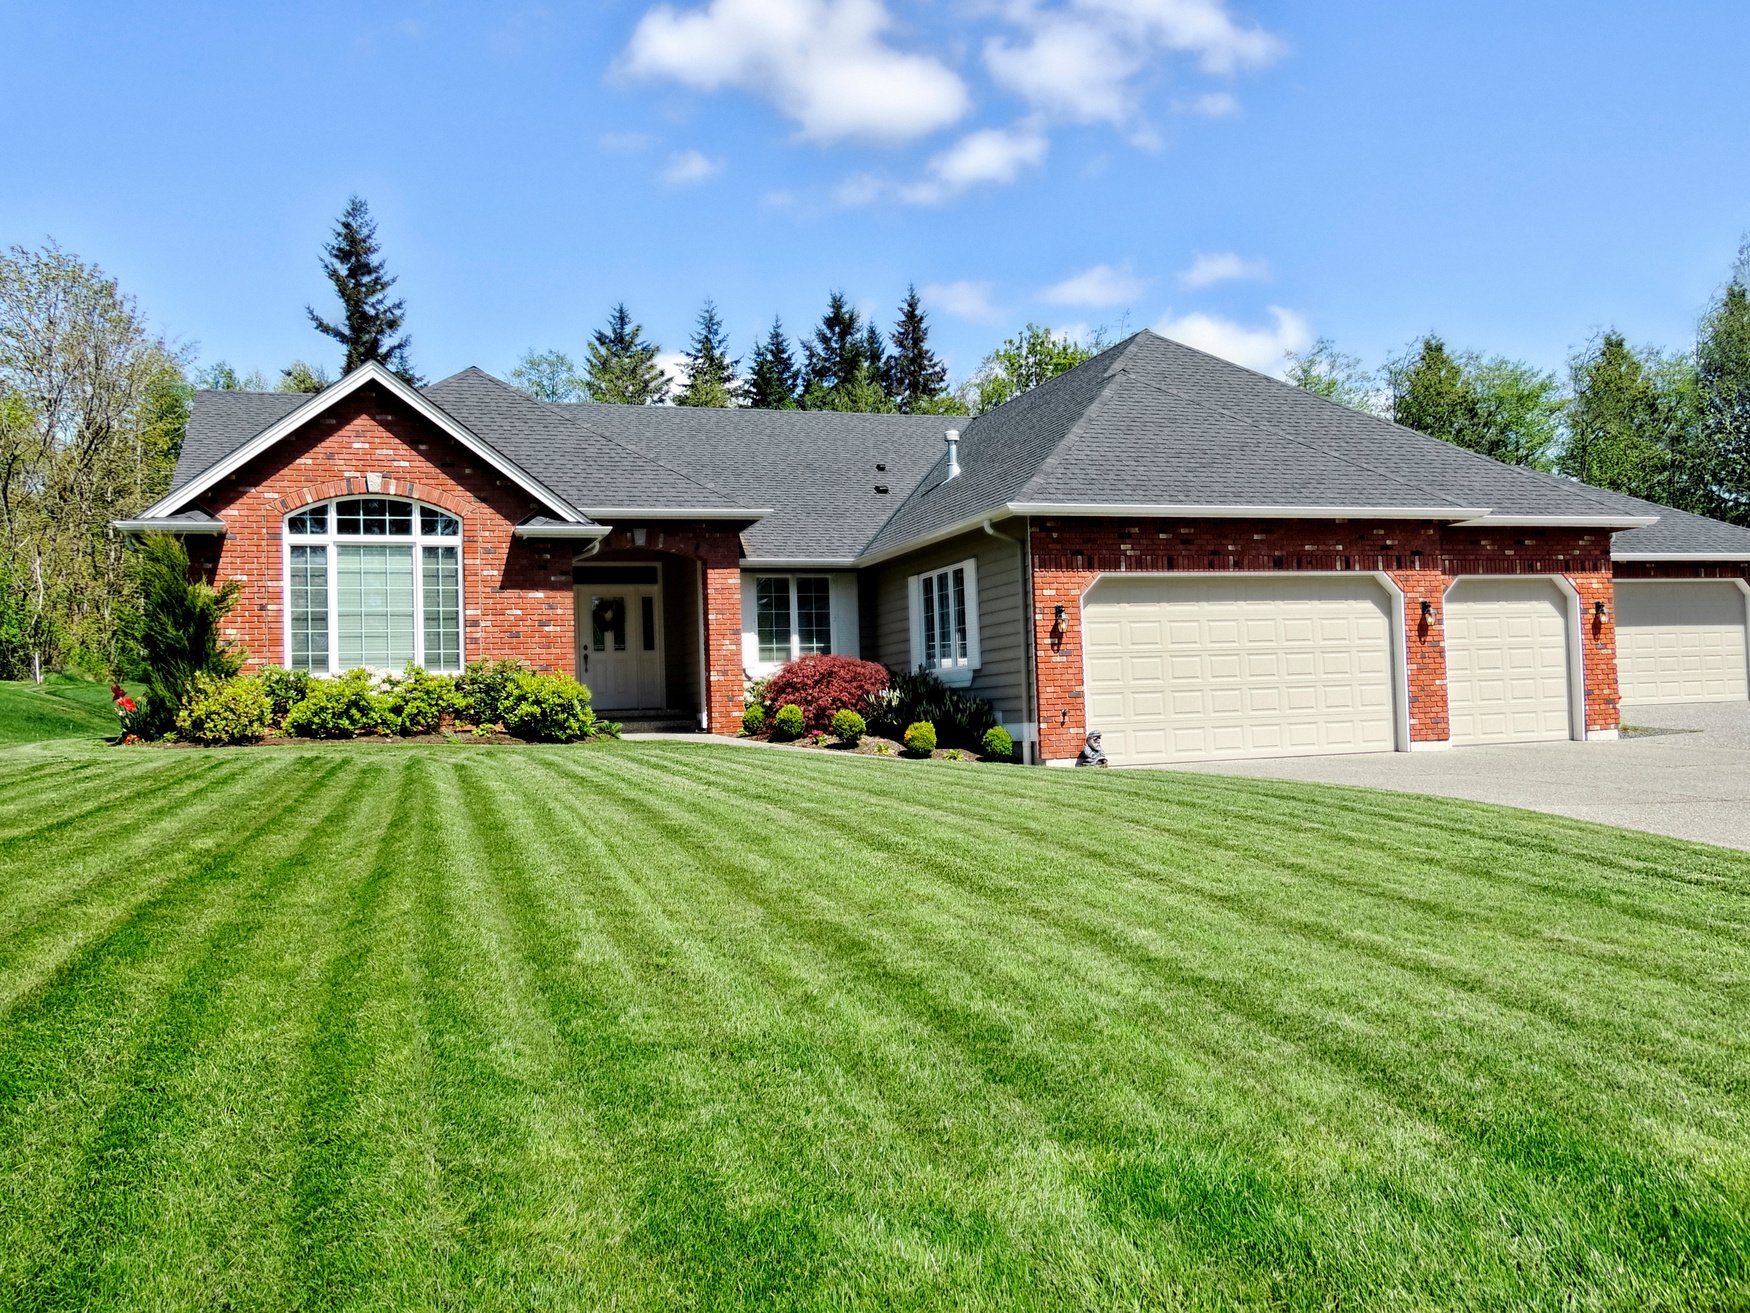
687, 1026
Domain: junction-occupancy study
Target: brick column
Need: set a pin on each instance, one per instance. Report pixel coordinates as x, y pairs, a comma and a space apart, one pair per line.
1425, 653
724, 681
1063, 706
1598, 649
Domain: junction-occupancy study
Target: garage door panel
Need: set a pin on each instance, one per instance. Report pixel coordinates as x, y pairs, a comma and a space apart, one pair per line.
1247, 667
1507, 660
1681, 641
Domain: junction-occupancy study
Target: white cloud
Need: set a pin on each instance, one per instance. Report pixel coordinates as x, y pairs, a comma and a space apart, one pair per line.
1082, 60
860, 189
673, 365
1101, 286
1262, 348
990, 155
964, 299
1211, 105
1221, 267
685, 168
825, 64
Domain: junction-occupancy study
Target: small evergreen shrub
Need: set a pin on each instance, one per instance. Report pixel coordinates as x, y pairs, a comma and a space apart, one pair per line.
224, 711
789, 722
341, 708
284, 689
884, 749
753, 720
821, 685
960, 718
419, 701
998, 744
178, 632
920, 737
483, 688
551, 708
848, 727
954, 754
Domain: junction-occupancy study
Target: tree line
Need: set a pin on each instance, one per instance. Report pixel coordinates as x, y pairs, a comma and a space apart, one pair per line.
1669, 426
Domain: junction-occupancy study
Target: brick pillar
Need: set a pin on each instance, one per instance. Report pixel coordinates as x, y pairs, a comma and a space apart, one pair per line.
1063, 707
1425, 653
1598, 649
724, 680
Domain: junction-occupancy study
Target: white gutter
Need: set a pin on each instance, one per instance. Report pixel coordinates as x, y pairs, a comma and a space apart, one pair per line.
1738, 555
1559, 522
1455, 514
801, 563
586, 531
168, 524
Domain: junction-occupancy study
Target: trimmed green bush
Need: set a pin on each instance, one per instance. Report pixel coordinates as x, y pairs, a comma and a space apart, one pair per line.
178, 632
848, 727
221, 711
548, 709
418, 701
341, 708
753, 720
920, 737
483, 688
284, 689
960, 718
998, 744
789, 722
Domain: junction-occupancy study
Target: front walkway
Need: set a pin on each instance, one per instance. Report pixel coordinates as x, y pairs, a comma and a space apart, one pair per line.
1692, 782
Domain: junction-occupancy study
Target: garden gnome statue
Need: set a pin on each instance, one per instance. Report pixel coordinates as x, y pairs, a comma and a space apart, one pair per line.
1091, 754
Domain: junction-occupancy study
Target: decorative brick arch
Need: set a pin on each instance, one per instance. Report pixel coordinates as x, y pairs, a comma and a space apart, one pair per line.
387, 485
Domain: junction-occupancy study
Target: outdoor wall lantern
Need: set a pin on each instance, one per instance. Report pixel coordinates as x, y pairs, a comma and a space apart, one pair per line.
1600, 610
1427, 609
1059, 620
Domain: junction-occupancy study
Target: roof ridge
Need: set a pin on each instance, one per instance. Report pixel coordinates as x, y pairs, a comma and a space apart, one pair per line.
1118, 370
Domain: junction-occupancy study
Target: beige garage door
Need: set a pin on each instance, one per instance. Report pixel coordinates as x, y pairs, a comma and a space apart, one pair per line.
1681, 642
1211, 667
1507, 660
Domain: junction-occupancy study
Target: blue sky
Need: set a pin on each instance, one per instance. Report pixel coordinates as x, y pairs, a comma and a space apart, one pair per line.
1246, 174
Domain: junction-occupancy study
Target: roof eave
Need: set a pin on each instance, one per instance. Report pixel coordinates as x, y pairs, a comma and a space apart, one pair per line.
572, 531
1612, 522
676, 513
1740, 554
168, 524
799, 563
1450, 514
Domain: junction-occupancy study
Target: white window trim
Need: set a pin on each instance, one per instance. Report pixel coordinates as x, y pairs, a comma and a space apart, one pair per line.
761, 662
418, 540
959, 672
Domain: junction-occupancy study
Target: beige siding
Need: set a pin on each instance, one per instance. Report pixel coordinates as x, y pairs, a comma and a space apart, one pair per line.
1001, 677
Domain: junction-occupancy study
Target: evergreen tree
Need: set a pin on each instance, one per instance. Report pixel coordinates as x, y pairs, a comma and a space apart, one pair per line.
772, 377
835, 355
874, 369
1720, 462
1501, 408
711, 379
1617, 422
915, 375
1430, 393
622, 366
301, 376
370, 320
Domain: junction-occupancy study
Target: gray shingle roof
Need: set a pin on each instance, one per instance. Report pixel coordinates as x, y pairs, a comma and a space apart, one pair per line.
816, 470
220, 422
1677, 532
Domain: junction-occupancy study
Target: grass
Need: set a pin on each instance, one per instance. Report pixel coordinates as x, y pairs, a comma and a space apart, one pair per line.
689, 1026
60, 707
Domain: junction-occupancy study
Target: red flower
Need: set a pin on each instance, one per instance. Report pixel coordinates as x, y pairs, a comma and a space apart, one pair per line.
123, 702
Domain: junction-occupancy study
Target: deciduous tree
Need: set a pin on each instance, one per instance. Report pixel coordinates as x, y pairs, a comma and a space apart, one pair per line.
1024, 361
549, 376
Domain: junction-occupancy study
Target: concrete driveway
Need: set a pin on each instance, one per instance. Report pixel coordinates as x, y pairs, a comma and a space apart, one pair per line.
1690, 779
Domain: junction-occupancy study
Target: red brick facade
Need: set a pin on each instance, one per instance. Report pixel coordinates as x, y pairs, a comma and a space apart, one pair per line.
1683, 569
1421, 559
517, 592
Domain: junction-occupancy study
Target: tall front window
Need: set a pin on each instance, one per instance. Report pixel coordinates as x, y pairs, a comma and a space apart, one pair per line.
793, 613
373, 581
944, 617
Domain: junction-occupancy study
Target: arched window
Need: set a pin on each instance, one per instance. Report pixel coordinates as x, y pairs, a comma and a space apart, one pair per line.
373, 581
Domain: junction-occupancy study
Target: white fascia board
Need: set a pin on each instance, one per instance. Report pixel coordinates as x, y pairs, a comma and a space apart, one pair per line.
370, 373
1559, 522
562, 530
1739, 555
1455, 514
168, 524
935, 536
674, 513
777, 563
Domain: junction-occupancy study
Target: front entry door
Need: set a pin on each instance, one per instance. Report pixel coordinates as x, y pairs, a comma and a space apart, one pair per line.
619, 654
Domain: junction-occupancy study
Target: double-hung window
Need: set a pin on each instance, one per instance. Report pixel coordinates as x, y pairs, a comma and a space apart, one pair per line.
373, 581
944, 620
793, 616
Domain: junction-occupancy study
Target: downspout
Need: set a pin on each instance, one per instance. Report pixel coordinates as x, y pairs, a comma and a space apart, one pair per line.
1030, 685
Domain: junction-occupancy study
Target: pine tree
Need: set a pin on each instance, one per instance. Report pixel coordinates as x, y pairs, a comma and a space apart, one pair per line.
370, 320
772, 376
1719, 467
1616, 422
622, 366
834, 356
915, 375
874, 366
711, 379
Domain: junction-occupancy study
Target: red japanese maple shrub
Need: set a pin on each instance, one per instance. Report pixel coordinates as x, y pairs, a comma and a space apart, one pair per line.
821, 685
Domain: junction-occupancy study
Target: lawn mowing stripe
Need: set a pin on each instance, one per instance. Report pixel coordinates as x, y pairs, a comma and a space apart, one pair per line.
1185, 981
115, 809
80, 1043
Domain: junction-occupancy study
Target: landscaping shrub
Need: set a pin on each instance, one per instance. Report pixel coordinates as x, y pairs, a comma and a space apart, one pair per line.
418, 701
178, 632
550, 709
960, 718
341, 708
284, 689
920, 738
998, 744
848, 727
753, 720
789, 722
483, 688
821, 685
220, 711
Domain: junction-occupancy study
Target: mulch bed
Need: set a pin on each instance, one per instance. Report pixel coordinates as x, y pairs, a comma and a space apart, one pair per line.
871, 746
